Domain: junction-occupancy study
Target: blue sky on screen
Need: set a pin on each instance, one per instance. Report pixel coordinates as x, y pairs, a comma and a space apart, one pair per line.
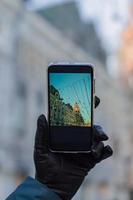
74, 88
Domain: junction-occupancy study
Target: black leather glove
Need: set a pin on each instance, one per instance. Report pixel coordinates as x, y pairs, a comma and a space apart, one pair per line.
64, 173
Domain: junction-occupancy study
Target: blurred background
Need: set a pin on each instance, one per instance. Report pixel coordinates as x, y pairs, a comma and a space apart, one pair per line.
34, 33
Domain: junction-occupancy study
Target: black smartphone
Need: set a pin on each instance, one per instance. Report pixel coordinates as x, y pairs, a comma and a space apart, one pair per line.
70, 107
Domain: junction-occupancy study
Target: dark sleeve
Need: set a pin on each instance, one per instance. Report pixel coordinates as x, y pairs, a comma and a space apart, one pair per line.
31, 189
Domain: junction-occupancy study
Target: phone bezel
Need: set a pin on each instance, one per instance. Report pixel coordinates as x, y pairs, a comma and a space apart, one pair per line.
70, 68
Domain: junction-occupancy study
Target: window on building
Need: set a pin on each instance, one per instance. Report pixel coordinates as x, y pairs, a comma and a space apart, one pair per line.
21, 90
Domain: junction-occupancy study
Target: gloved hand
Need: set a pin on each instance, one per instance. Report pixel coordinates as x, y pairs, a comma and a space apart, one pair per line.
64, 173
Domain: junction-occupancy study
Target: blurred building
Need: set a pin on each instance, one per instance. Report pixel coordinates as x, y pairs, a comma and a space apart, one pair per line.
27, 44
66, 17
126, 76
126, 58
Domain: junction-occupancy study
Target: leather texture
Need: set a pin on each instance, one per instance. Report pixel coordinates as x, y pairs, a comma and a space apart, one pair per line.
64, 173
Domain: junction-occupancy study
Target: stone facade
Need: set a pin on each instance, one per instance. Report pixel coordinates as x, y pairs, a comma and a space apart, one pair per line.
27, 45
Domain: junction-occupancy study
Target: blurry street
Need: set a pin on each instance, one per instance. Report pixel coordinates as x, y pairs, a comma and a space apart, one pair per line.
29, 41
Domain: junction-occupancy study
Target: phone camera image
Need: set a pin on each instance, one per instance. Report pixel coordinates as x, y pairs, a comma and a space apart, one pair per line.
70, 99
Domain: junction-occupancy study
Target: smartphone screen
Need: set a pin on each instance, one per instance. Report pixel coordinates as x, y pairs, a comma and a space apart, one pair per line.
70, 107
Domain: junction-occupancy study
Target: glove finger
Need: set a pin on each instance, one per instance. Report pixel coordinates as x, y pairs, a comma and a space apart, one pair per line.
99, 134
107, 152
97, 150
96, 101
85, 161
41, 138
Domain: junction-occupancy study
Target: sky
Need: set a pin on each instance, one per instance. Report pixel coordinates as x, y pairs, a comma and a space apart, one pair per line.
74, 88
